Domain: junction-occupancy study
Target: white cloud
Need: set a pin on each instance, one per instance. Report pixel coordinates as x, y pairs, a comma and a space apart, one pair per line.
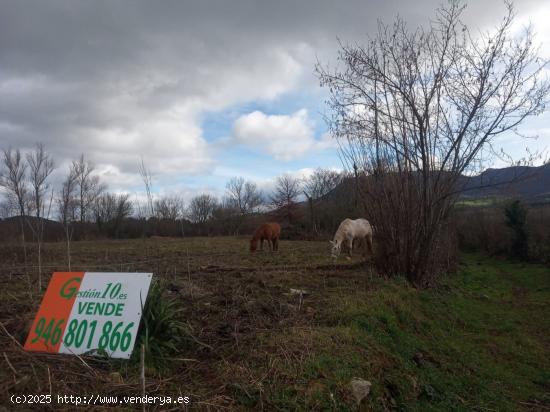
141, 102
537, 18
285, 137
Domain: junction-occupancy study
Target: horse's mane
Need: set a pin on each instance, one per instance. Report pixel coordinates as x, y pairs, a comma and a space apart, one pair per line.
257, 233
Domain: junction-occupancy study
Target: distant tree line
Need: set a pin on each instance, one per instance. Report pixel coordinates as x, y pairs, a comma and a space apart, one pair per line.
84, 207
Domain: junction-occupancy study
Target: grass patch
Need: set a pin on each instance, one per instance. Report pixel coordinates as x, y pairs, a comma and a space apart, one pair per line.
478, 342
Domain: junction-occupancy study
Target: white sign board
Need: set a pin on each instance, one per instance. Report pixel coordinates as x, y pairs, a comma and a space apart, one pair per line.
91, 312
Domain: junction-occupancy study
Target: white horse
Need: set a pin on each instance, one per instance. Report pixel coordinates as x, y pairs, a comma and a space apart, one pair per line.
348, 231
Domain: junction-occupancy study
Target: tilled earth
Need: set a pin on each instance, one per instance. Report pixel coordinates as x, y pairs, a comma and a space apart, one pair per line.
236, 305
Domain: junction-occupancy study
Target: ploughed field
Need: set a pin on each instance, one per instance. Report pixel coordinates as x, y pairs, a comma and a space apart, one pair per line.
478, 341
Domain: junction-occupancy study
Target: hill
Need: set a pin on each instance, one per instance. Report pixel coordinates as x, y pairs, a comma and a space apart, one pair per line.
526, 182
529, 183
10, 229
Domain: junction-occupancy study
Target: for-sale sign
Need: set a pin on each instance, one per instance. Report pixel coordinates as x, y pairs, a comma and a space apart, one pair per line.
90, 312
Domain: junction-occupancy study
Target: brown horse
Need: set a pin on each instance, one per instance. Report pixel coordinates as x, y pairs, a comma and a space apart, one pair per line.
269, 232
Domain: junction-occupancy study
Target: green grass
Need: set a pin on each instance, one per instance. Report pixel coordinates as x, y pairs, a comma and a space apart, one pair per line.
479, 342
482, 202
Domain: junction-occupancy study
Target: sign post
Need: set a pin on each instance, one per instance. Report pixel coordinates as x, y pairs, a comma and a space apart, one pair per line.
90, 312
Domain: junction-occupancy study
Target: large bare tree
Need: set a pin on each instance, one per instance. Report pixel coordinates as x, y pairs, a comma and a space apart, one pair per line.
169, 207
40, 166
110, 210
13, 180
67, 206
285, 195
88, 186
317, 185
201, 208
244, 195
414, 110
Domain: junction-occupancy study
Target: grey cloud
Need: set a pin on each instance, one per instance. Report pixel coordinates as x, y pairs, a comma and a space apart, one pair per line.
120, 79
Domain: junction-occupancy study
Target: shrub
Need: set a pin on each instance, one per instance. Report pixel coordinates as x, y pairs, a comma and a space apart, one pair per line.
162, 330
516, 217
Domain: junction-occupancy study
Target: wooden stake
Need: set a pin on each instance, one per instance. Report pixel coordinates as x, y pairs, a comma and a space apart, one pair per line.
142, 361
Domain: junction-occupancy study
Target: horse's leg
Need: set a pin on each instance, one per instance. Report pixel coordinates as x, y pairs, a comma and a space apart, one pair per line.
350, 245
275, 244
365, 246
262, 244
369, 244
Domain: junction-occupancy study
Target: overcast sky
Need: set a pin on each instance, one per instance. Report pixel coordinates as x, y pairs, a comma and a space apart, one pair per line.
203, 90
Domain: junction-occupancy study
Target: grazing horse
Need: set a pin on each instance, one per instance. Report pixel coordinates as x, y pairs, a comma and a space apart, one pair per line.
269, 232
348, 231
